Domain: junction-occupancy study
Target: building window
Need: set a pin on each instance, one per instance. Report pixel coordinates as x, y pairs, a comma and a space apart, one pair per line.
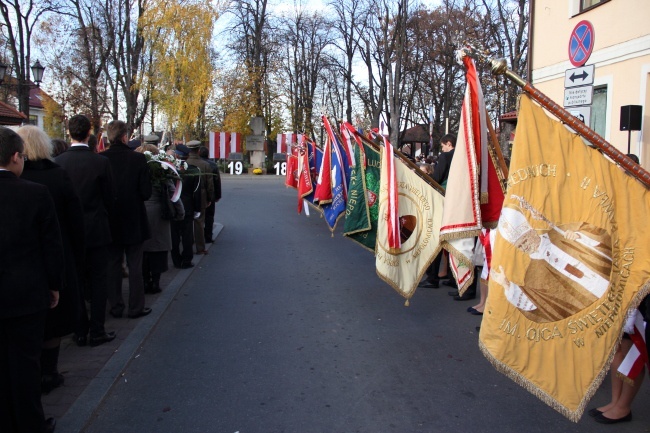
33, 120
588, 4
598, 120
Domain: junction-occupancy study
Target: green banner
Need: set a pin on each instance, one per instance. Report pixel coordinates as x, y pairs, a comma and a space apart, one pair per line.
362, 208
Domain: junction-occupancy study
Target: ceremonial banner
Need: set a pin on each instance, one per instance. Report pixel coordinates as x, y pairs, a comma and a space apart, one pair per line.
363, 205
291, 177
315, 156
569, 260
335, 208
305, 186
323, 189
420, 216
474, 194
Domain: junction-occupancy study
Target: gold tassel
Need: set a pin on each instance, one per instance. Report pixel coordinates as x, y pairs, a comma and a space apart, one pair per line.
332, 234
406, 304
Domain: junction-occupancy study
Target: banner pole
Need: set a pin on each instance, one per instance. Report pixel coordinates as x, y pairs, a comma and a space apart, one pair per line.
500, 67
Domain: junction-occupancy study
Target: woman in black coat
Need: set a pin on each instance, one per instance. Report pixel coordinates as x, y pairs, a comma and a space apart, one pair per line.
62, 320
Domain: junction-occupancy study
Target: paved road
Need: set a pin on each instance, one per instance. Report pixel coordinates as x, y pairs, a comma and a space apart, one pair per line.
283, 328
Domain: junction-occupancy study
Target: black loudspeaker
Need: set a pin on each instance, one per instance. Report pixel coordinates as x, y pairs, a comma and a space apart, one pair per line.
631, 118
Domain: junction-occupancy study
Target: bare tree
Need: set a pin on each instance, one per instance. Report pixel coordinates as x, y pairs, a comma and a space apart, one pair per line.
19, 19
306, 39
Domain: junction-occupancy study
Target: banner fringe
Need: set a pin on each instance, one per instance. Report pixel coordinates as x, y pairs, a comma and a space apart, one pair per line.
595, 384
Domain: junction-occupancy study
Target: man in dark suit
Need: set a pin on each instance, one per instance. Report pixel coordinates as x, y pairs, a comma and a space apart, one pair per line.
441, 172
92, 177
31, 272
129, 223
183, 231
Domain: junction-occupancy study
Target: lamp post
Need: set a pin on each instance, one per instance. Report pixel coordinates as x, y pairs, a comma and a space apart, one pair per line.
23, 86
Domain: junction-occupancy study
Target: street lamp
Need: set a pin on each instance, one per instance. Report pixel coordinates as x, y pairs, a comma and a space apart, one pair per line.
23, 86
37, 72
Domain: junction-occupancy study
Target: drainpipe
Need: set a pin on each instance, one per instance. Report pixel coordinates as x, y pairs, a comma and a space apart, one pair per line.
531, 28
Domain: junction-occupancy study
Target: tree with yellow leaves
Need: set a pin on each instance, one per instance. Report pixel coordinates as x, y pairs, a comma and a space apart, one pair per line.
179, 34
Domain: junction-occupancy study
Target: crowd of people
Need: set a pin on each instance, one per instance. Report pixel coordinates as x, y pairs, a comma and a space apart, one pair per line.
71, 218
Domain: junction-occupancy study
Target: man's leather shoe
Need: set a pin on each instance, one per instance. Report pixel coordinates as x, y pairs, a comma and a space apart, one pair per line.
204, 252
450, 283
143, 312
465, 297
81, 340
187, 265
101, 339
453, 293
50, 425
429, 284
116, 313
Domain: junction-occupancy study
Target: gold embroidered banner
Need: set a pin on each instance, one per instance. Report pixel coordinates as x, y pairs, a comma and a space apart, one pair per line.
420, 215
570, 258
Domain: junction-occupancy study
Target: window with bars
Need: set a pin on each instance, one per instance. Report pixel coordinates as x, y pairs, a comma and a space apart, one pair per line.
598, 121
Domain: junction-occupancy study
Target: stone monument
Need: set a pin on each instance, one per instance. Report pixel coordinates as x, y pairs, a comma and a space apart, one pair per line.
255, 142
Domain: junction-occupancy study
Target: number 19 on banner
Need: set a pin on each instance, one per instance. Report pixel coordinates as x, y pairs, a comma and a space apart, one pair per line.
280, 168
236, 167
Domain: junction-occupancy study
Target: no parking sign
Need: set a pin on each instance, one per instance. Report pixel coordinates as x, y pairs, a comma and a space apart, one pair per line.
581, 43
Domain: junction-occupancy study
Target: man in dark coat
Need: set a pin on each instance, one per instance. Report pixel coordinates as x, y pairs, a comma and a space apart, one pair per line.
216, 180
129, 223
183, 230
92, 177
31, 272
441, 172
207, 194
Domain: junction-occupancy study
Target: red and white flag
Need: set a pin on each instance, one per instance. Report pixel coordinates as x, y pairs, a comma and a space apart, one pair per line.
305, 186
350, 136
287, 142
474, 195
323, 192
222, 144
388, 158
637, 357
101, 146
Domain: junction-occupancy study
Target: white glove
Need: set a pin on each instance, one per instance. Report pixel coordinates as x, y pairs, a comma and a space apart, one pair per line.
197, 215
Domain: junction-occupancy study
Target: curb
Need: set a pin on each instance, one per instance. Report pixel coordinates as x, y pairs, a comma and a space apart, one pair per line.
82, 410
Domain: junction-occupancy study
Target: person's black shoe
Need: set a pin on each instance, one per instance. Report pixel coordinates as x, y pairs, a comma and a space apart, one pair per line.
50, 382
50, 425
116, 312
604, 420
153, 289
187, 265
429, 284
81, 340
453, 293
208, 240
450, 283
101, 339
145, 311
466, 297
594, 412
